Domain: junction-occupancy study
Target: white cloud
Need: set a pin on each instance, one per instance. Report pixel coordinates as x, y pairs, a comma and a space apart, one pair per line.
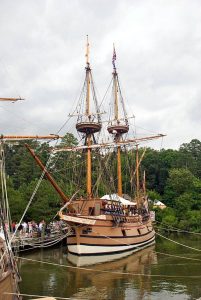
158, 46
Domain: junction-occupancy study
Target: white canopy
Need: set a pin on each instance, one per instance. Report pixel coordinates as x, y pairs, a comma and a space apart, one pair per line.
115, 197
158, 202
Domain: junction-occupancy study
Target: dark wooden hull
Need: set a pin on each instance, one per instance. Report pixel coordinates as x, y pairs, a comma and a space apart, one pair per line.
7, 285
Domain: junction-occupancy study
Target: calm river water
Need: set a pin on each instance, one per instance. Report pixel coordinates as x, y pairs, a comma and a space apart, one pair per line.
148, 274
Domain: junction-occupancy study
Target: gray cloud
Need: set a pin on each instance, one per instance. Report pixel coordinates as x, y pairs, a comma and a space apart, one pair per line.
158, 48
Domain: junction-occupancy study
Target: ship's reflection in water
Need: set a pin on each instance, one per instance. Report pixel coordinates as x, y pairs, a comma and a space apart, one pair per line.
94, 279
122, 278
112, 275
107, 260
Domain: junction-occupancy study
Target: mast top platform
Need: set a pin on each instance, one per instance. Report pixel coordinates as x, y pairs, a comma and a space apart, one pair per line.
115, 126
88, 122
118, 129
88, 127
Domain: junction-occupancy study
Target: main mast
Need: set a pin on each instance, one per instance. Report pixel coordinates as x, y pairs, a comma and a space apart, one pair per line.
88, 123
119, 124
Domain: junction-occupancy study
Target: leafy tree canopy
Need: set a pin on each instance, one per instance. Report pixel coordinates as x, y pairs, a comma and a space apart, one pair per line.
173, 176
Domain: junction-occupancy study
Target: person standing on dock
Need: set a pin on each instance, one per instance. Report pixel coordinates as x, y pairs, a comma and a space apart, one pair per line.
24, 228
13, 226
30, 229
41, 228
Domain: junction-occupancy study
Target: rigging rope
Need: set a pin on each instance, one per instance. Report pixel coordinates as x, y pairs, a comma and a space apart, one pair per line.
178, 256
30, 295
178, 242
126, 244
42, 244
102, 171
5, 205
30, 201
170, 228
108, 272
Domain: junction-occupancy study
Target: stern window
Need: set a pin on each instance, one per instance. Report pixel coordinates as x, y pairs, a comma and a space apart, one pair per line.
87, 230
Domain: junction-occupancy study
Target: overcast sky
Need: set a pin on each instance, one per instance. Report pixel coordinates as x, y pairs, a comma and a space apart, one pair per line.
158, 45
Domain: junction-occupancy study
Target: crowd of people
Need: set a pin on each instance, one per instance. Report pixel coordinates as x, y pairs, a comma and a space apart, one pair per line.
118, 209
34, 229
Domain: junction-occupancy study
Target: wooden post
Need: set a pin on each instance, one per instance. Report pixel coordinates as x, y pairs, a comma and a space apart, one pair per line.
144, 183
119, 175
89, 166
137, 176
116, 110
88, 93
49, 177
88, 79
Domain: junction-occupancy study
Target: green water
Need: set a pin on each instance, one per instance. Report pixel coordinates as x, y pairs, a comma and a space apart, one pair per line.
127, 278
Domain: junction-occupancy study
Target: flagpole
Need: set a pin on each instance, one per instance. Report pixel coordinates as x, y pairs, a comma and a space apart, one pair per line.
114, 57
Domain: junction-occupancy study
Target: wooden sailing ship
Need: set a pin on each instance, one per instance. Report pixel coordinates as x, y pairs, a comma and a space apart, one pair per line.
107, 224
9, 274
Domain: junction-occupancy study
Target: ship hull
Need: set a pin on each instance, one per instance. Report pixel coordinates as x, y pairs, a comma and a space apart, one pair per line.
86, 260
92, 249
105, 238
7, 286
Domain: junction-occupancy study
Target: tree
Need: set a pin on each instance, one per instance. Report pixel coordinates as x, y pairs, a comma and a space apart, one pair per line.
194, 148
46, 201
69, 140
19, 163
153, 195
193, 155
166, 217
179, 181
171, 175
16, 200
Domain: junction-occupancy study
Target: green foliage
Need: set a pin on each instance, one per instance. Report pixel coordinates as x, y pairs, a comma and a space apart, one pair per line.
169, 220
46, 202
19, 163
173, 176
183, 203
179, 182
69, 140
194, 220
16, 201
192, 151
153, 195
166, 217
183, 194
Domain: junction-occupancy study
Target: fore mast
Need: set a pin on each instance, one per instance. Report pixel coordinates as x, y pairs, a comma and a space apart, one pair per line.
88, 122
118, 125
